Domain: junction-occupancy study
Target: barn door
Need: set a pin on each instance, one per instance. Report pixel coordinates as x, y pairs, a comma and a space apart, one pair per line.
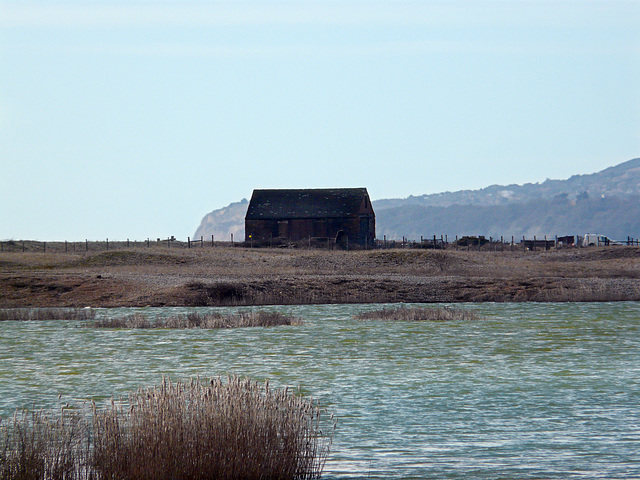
363, 234
283, 229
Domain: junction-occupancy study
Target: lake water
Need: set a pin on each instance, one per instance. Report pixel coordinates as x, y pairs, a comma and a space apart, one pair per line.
528, 391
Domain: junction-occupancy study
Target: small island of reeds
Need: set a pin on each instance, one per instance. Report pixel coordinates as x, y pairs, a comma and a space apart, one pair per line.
197, 320
417, 314
234, 429
39, 314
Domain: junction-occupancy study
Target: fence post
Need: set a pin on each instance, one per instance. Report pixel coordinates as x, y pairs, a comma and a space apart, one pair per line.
107, 244
86, 244
524, 245
188, 242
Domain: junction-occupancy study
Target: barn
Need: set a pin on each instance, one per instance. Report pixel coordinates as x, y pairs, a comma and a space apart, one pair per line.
342, 216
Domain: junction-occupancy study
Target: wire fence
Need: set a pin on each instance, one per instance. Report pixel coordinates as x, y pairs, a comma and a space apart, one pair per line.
467, 242
106, 244
511, 243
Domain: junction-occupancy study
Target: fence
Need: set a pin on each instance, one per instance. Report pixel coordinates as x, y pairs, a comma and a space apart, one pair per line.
482, 243
104, 245
477, 243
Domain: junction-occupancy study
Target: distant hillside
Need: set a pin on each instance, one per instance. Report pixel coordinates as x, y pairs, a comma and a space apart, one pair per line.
606, 202
619, 181
224, 222
612, 216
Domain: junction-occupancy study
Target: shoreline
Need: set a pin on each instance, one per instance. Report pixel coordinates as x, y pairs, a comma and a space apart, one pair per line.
224, 276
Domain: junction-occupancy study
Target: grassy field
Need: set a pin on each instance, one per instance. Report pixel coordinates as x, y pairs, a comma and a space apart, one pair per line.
225, 275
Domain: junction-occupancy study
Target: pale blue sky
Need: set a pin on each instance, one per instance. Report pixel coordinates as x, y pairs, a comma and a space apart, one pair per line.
133, 119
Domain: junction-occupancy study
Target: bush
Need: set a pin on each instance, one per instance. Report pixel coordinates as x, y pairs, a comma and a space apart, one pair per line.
219, 430
221, 293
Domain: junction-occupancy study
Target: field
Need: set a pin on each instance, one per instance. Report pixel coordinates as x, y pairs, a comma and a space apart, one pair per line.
226, 275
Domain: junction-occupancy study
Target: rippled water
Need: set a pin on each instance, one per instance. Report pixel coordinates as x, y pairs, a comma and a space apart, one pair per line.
529, 391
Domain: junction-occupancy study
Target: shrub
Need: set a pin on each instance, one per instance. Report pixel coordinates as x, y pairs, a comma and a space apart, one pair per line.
415, 314
217, 430
221, 293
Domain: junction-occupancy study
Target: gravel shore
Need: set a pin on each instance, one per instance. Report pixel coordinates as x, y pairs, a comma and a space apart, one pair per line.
239, 276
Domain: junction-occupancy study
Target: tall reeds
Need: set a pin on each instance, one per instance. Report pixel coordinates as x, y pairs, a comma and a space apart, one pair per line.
236, 429
196, 320
28, 314
44, 445
417, 314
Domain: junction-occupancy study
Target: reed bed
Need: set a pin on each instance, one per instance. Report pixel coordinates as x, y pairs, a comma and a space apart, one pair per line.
196, 320
45, 445
416, 314
29, 314
236, 429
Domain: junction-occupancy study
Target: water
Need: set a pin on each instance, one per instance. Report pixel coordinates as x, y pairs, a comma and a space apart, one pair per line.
529, 391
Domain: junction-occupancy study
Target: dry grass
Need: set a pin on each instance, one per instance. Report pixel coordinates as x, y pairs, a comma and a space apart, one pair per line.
236, 429
195, 320
226, 276
27, 314
415, 314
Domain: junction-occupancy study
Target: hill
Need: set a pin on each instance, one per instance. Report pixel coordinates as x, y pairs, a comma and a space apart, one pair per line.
605, 202
618, 181
224, 222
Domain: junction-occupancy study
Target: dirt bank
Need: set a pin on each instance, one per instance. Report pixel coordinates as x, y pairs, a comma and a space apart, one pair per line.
156, 276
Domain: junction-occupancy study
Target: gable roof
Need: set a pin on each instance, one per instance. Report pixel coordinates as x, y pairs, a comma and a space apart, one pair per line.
307, 203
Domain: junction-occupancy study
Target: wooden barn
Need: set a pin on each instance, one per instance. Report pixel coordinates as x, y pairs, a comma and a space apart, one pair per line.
336, 215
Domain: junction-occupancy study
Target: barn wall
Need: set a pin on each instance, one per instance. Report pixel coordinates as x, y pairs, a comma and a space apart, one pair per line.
359, 230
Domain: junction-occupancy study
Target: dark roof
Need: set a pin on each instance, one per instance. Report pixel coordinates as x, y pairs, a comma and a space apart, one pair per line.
306, 203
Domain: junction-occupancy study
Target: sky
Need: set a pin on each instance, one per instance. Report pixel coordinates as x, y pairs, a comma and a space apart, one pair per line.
134, 119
